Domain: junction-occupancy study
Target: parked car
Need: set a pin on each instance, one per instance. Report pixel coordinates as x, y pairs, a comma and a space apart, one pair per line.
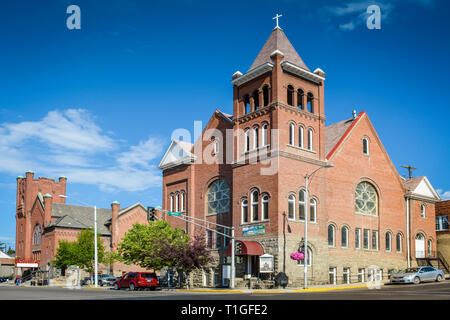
418, 275
86, 281
107, 281
137, 280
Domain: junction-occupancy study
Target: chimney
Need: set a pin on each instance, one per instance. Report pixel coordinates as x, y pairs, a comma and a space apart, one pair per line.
48, 202
29, 174
63, 182
115, 208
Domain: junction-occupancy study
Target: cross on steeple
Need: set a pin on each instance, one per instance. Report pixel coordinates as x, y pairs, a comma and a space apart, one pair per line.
276, 17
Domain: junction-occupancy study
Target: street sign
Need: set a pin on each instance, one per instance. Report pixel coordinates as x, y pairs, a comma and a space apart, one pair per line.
172, 213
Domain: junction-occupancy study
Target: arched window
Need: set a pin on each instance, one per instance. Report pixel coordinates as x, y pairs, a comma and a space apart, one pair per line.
310, 139
264, 135
290, 95
388, 241
218, 198
312, 210
300, 136
366, 200
308, 258
344, 237
37, 235
256, 99
291, 134
265, 207
398, 241
366, 146
247, 140
423, 211
255, 138
331, 235
244, 208
301, 205
171, 201
182, 202
300, 99
255, 205
291, 206
266, 95
246, 104
177, 202
310, 102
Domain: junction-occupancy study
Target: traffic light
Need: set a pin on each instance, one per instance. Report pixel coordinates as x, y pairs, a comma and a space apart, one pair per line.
151, 214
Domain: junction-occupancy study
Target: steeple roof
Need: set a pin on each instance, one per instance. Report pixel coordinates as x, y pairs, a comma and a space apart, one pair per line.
278, 41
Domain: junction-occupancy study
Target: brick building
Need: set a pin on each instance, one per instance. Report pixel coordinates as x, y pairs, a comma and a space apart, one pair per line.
442, 229
247, 170
43, 218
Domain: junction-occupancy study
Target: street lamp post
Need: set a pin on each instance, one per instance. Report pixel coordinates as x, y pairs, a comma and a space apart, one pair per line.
308, 179
95, 239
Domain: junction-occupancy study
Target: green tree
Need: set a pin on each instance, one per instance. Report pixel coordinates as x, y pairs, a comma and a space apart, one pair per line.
85, 250
66, 254
146, 245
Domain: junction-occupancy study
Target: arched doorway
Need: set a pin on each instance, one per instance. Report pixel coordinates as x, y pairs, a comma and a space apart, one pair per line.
420, 245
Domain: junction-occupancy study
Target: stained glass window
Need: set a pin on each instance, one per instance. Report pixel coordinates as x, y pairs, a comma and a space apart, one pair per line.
218, 197
366, 199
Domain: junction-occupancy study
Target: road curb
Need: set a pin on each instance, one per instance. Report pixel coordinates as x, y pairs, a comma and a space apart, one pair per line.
271, 291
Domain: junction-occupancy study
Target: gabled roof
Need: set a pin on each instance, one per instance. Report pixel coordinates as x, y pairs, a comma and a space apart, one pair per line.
334, 133
182, 152
127, 209
278, 41
79, 217
179, 152
420, 187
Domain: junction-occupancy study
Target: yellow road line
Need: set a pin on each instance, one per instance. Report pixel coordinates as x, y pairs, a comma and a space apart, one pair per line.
205, 290
329, 289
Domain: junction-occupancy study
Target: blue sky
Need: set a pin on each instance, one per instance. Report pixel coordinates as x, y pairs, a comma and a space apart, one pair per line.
99, 105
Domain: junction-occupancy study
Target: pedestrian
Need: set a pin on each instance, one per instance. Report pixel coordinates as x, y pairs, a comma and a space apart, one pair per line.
17, 280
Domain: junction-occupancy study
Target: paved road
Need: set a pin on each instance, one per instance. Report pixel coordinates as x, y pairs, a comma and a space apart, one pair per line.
426, 291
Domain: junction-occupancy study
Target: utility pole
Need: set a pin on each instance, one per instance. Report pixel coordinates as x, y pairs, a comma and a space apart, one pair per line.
410, 168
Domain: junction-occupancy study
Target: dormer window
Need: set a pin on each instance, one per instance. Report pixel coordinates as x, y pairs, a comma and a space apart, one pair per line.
366, 146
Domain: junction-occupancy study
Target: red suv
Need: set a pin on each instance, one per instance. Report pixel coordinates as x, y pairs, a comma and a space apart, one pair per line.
137, 280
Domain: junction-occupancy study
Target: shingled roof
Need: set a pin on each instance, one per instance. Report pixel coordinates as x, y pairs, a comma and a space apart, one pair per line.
278, 41
334, 132
79, 217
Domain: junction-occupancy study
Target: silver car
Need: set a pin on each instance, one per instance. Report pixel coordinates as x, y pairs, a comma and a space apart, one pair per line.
418, 275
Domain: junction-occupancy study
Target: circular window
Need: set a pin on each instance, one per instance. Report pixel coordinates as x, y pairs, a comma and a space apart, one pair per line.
366, 199
218, 197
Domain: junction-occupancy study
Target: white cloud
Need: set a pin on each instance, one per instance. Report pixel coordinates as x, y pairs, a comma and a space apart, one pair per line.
445, 195
70, 143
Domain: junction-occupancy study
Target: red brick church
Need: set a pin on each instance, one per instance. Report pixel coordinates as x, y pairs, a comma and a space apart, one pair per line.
43, 218
248, 170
